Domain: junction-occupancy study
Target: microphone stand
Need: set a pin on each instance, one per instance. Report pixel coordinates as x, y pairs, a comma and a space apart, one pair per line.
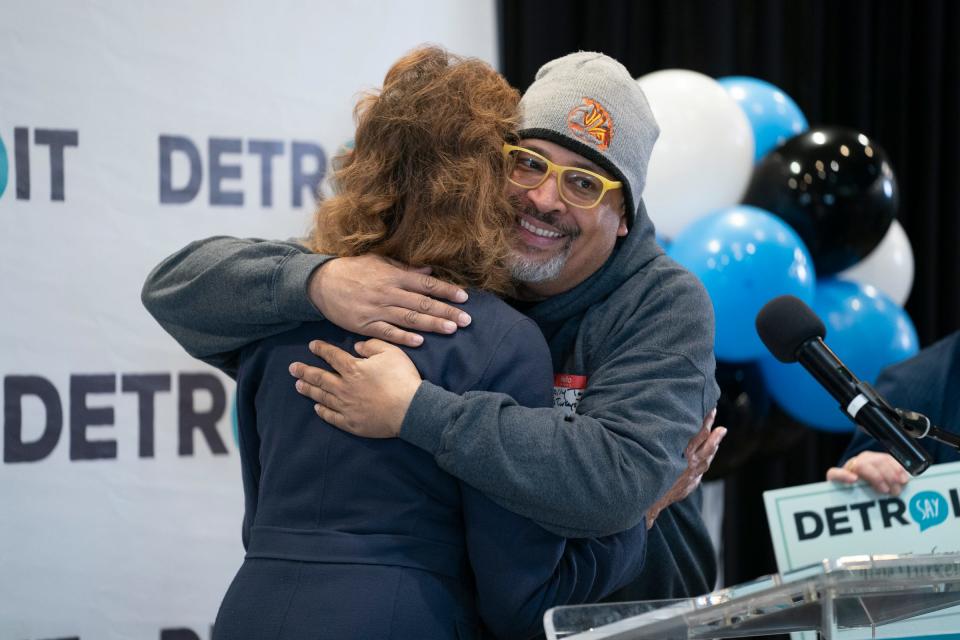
916, 425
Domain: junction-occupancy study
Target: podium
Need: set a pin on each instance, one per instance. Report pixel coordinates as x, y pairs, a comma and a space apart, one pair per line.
844, 599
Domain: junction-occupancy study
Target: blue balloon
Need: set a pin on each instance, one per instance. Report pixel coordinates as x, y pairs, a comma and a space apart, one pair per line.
867, 331
773, 115
744, 256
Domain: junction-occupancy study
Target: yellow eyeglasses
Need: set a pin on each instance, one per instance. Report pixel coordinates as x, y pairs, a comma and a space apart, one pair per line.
576, 186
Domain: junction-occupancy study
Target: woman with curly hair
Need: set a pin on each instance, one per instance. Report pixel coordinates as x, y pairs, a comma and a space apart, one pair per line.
354, 538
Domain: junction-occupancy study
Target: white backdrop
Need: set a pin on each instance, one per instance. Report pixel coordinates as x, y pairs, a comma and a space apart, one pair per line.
120, 498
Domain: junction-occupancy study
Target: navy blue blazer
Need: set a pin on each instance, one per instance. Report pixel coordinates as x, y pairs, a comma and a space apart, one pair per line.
928, 383
354, 538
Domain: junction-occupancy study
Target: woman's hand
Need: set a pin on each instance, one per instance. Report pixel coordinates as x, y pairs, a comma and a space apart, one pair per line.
700, 452
375, 297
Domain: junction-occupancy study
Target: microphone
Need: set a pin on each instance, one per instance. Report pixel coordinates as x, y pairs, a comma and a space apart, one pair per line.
794, 333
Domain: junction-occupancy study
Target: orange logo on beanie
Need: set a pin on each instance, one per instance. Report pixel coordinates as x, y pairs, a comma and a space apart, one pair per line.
590, 121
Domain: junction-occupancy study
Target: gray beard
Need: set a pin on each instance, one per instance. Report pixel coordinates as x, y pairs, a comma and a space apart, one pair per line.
529, 270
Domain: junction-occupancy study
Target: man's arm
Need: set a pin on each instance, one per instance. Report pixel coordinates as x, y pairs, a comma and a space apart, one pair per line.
581, 475
216, 296
589, 474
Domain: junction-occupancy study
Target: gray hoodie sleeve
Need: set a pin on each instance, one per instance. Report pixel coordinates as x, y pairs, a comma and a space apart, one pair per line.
216, 296
578, 476
599, 470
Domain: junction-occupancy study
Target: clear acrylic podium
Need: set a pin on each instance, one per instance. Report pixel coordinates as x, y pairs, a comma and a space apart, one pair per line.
848, 598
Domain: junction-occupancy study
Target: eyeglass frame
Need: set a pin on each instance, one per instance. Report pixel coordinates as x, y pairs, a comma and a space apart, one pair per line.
559, 170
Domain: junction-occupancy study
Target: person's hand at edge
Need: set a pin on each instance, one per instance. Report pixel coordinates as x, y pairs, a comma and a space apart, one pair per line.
699, 454
366, 396
378, 297
880, 470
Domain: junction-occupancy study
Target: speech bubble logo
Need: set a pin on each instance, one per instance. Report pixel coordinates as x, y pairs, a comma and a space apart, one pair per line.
928, 509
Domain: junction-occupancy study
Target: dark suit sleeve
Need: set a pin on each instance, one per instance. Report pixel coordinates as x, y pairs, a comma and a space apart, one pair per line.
926, 383
520, 568
680, 561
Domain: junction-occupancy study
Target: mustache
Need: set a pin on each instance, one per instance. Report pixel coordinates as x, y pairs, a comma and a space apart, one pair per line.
549, 218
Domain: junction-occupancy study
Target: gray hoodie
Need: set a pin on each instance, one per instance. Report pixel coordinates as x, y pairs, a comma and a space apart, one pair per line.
637, 335
640, 330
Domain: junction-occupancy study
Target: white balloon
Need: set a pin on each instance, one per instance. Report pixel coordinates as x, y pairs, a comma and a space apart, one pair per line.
704, 156
889, 267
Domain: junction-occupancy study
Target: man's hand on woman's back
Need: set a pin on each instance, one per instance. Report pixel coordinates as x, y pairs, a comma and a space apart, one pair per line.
380, 298
366, 396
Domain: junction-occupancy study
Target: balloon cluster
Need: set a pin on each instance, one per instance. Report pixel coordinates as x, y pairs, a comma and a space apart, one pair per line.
756, 204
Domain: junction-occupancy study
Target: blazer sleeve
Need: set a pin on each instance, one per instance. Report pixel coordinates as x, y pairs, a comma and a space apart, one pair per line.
216, 296
521, 569
926, 383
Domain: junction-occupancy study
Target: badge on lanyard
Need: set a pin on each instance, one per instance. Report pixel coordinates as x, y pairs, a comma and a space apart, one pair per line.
567, 391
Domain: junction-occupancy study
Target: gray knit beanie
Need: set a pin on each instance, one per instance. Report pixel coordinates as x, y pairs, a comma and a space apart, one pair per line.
590, 104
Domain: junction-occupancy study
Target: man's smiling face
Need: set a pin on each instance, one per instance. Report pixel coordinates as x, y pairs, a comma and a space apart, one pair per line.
558, 245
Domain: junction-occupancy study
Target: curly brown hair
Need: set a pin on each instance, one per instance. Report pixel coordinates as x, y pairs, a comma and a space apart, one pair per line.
424, 183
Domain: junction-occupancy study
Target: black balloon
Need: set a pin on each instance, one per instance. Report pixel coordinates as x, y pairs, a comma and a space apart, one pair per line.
742, 409
835, 187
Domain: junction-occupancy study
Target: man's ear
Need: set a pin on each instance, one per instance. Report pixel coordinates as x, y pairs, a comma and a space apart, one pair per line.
623, 230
